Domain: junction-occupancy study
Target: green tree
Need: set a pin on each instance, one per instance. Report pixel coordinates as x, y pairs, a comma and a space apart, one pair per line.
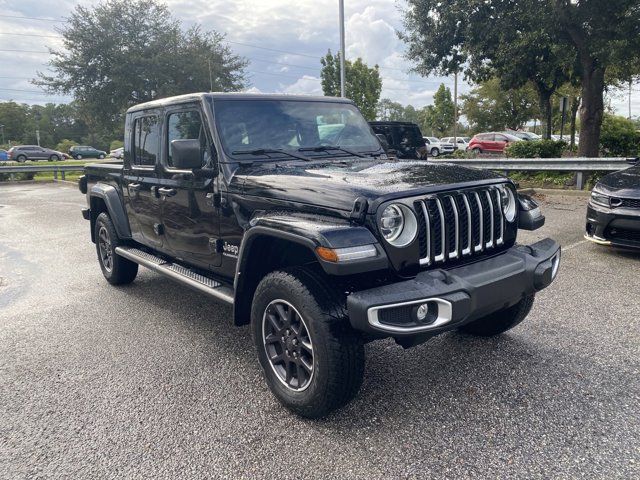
123, 52
516, 42
439, 117
362, 83
14, 117
606, 36
389, 110
490, 107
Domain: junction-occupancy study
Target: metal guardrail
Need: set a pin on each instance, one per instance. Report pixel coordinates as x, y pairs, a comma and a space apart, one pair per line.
573, 164
580, 165
56, 169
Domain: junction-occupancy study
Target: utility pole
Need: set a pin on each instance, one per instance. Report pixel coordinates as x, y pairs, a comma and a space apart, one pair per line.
210, 77
630, 84
2, 130
342, 79
455, 110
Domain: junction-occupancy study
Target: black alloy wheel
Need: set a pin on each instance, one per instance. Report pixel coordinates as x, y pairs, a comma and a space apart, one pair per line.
288, 345
104, 247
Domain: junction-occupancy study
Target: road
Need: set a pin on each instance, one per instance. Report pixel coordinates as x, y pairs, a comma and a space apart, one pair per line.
151, 380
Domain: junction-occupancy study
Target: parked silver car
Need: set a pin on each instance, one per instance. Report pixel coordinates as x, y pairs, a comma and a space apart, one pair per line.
22, 153
461, 143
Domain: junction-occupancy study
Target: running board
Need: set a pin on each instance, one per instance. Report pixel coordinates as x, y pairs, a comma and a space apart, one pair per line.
178, 273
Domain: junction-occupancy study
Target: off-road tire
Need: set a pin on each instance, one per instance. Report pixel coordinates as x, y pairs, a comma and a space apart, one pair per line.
121, 271
500, 321
338, 351
434, 152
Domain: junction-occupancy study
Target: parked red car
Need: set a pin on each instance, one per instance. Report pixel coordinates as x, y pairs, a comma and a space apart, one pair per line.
491, 142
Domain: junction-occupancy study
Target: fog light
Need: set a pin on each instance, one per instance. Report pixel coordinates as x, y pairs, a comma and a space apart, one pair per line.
422, 312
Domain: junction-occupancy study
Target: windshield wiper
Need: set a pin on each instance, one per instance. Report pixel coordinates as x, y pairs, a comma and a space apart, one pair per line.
324, 148
264, 151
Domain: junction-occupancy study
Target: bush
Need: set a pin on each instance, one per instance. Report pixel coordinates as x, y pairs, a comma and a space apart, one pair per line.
619, 137
460, 154
115, 144
536, 149
65, 145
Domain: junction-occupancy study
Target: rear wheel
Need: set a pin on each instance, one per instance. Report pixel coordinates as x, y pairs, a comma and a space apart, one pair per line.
116, 269
435, 152
500, 321
313, 361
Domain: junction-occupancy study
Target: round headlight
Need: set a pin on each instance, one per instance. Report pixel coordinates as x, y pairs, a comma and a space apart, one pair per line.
509, 207
398, 225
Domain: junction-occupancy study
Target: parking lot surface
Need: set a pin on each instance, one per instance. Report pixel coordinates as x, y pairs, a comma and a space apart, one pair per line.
152, 380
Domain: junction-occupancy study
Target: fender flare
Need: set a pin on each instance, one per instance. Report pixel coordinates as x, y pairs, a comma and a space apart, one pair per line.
115, 208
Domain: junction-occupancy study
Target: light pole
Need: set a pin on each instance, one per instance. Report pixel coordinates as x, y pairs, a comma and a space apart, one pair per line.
342, 79
2, 130
455, 111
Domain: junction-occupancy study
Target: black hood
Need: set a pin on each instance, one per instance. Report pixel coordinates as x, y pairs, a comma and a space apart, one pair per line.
337, 185
625, 183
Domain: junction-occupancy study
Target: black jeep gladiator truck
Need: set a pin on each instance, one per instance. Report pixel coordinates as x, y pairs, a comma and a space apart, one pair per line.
288, 209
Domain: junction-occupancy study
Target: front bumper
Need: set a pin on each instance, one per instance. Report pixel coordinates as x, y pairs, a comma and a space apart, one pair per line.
456, 296
617, 227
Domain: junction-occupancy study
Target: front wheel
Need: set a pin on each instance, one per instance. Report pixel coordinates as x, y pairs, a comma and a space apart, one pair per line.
500, 321
78, 157
54, 158
101, 156
435, 152
313, 361
116, 269
476, 151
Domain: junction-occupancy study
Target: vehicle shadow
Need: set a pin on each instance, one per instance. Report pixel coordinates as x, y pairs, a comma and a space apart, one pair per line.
450, 375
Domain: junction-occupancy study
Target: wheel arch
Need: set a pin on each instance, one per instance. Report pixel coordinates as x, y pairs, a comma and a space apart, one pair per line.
266, 250
105, 198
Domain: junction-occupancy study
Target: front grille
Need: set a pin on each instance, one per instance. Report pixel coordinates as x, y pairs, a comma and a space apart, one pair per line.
459, 224
625, 202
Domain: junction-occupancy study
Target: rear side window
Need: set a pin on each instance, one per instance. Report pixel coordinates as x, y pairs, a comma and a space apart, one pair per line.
146, 142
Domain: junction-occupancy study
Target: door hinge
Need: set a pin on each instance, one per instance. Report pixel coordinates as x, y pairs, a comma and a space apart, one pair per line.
158, 228
214, 199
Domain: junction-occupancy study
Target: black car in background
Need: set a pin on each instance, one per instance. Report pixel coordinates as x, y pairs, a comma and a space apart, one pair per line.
405, 138
613, 213
22, 153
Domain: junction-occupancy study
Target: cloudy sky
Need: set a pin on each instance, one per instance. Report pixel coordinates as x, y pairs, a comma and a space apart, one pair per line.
283, 40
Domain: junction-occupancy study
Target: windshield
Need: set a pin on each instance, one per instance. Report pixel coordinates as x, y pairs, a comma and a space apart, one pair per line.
260, 127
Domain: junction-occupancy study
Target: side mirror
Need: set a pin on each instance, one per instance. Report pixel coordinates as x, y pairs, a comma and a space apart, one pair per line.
383, 141
186, 154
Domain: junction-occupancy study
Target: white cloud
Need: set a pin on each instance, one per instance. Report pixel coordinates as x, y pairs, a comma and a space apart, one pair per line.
307, 85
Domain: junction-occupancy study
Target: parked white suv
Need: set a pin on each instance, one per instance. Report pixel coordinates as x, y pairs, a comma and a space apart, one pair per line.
436, 147
461, 142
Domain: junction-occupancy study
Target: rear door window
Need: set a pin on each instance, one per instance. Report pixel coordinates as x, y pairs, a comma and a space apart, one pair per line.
146, 140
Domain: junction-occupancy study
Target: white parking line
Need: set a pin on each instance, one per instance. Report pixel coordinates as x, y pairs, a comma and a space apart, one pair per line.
573, 245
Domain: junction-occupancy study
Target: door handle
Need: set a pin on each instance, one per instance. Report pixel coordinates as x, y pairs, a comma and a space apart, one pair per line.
167, 192
134, 187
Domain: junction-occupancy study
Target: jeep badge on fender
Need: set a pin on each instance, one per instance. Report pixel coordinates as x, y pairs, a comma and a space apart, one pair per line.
322, 242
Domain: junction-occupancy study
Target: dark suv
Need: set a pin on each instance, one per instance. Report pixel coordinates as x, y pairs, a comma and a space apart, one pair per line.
288, 209
79, 152
404, 138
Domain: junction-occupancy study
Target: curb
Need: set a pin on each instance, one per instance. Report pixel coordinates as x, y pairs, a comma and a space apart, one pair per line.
555, 191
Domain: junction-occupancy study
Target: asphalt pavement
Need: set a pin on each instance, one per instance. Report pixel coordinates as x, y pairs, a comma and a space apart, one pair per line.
151, 380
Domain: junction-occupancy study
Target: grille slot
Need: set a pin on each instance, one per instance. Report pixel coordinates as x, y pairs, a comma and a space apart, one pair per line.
455, 225
629, 203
